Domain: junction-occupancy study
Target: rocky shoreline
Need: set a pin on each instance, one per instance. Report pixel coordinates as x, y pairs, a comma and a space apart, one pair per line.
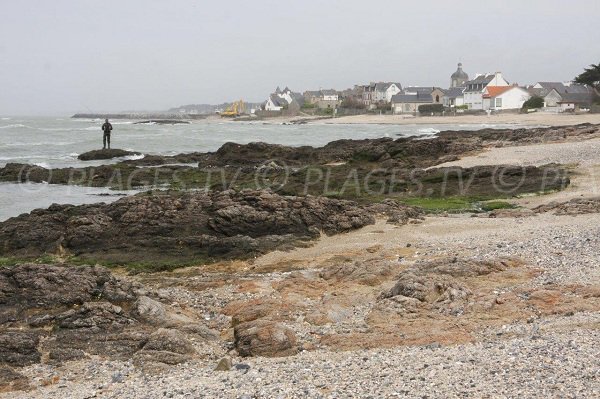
185, 227
297, 295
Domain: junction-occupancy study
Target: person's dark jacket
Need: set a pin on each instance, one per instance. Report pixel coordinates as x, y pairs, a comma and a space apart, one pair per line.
106, 128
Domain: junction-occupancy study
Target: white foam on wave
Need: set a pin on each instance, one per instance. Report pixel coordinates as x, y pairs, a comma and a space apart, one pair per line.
42, 165
134, 157
13, 126
428, 130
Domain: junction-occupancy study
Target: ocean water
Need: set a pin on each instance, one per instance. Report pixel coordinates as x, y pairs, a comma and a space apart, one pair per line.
56, 142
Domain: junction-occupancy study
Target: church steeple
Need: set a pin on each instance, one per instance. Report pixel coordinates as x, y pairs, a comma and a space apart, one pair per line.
459, 77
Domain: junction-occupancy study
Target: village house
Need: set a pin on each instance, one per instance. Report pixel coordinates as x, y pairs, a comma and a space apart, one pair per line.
454, 97
475, 88
275, 103
385, 90
498, 98
283, 99
368, 94
562, 97
409, 100
436, 93
323, 99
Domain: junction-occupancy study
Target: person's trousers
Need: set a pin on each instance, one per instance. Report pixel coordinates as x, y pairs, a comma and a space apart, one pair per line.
106, 140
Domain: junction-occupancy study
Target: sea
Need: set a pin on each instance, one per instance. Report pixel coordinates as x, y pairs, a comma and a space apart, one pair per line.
54, 142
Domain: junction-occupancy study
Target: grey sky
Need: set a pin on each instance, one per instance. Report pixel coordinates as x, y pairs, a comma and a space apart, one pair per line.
59, 56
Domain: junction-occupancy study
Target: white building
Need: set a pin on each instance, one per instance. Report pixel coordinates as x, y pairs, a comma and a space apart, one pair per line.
385, 90
475, 88
393, 89
504, 97
454, 97
329, 95
275, 103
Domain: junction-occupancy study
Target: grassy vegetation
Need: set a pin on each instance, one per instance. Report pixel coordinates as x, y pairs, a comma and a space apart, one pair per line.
492, 205
456, 204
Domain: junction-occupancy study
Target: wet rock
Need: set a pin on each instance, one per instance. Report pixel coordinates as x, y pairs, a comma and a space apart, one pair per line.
43, 286
19, 348
264, 338
105, 154
102, 315
148, 227
61, 355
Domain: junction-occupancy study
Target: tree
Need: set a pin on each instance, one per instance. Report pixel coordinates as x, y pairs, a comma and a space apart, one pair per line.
534, 102
590, 76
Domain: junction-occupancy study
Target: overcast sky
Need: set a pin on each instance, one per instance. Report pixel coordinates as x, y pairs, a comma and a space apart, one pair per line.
59, 56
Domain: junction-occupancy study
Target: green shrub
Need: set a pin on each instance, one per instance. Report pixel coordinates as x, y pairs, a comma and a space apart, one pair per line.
431, 108
534, 102
464, 106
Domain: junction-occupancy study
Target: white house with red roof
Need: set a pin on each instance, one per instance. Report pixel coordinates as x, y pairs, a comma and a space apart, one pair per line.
475, 88
504, 97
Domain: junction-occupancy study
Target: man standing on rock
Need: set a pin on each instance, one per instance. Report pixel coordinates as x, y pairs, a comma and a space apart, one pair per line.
106, 128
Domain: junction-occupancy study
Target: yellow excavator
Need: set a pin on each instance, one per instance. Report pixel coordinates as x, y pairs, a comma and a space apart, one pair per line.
235, 109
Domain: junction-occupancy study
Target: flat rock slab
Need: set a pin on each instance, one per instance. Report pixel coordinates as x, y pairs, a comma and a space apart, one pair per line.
105, 154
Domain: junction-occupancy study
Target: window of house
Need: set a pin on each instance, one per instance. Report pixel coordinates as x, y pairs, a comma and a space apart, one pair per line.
437, 99
498, 103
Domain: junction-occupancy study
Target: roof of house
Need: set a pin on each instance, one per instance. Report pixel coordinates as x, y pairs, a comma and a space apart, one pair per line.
412, 98
329, 92
578, 88
579, 98
381, 86
483, 79
494, 91
454, 92
278, 101
418, 89
559, 86
297, 97
312, 93
541, 92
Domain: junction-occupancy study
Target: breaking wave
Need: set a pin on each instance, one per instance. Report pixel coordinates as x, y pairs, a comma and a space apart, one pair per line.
13, 126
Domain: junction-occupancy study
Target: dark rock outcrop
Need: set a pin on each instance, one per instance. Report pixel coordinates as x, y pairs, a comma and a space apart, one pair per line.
62, 313
105, 154
179, 226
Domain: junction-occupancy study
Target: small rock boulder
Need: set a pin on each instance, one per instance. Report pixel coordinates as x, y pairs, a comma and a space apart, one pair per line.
150, 311
224, 364
167, 347
264, 338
